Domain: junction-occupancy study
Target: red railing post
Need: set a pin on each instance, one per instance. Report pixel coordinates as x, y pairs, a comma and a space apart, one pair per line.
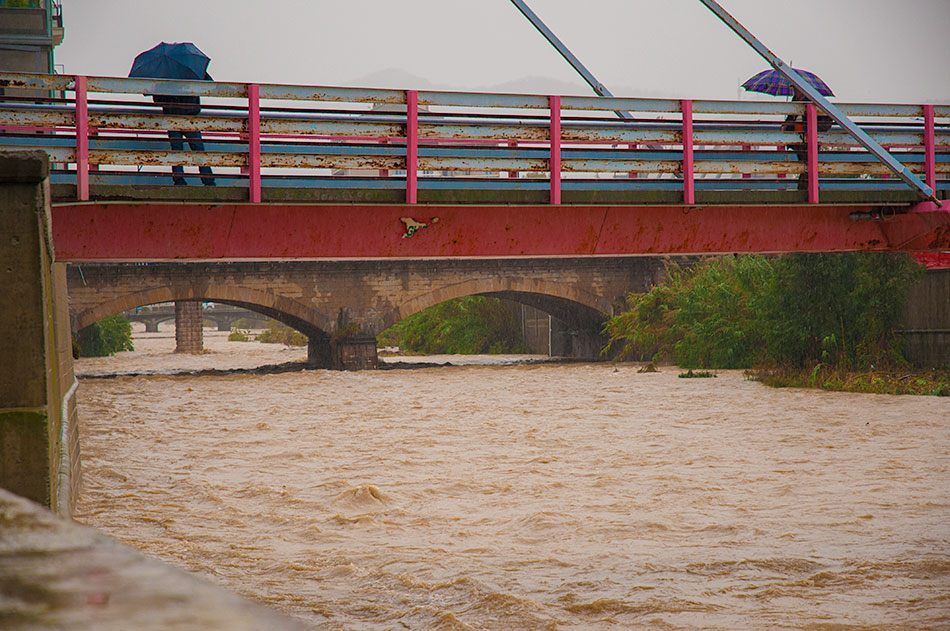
554, 102
412, 146
254, 142
930, 147
82, 139
811, 123
689, 189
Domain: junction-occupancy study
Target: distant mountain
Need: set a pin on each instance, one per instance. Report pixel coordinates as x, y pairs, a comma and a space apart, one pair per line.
403, 80
394, 78
539, 85
549, 85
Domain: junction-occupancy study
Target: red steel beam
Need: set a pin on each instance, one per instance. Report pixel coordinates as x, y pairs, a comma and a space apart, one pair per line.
412, 146
82, 139
689, 188
117, 231
811, 125
555, 161
254, 142
930, 161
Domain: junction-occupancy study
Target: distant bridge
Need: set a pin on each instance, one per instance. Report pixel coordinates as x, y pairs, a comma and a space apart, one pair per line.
222, 315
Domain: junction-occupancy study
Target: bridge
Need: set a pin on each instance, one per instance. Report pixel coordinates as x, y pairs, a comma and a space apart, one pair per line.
450, 183
222, 316
322, 299
311, 172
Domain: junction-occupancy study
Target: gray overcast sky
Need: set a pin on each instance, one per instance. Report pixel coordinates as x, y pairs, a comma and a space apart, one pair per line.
866, 50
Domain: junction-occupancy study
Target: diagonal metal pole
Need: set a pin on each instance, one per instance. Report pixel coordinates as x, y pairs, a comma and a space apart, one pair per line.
803, 86
591, 80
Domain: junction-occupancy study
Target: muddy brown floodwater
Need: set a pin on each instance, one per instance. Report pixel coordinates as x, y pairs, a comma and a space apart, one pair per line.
581, 496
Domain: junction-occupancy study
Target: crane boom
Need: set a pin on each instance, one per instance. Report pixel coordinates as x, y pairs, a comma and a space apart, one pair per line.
591, 80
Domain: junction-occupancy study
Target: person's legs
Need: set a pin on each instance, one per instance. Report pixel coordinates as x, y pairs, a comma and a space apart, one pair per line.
801, 152
194, 141
175, 139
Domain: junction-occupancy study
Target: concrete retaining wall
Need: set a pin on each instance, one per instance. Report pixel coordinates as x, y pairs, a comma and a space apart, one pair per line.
39, 444
55, 574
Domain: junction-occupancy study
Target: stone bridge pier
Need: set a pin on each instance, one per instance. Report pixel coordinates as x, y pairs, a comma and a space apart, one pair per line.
343, 305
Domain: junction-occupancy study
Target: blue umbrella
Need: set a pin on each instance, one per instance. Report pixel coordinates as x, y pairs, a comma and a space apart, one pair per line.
772, 82
181, 60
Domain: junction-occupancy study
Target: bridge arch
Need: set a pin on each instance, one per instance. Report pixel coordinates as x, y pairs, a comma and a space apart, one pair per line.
565, 301
291, 312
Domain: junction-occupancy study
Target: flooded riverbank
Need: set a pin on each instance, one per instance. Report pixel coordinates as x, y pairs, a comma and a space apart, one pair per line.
580, 496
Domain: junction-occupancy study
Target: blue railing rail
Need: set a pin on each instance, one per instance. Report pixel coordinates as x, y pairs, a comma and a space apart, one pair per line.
268, 135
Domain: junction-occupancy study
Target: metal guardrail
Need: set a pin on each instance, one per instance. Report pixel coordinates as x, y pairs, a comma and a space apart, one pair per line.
107, 129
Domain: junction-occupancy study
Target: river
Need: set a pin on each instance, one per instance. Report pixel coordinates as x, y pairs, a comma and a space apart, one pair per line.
540, 496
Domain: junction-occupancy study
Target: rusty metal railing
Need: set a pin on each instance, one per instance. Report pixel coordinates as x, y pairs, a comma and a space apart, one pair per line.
259, 136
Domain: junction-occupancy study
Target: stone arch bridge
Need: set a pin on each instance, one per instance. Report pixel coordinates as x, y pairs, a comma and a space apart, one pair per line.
325, 299
222, 317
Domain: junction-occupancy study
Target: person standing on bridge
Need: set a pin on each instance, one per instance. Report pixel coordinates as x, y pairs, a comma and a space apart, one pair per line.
187, 106
798, 124
773, 82
181, 60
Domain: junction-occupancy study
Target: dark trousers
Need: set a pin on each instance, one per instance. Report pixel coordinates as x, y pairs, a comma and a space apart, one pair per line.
177, 138
801, 152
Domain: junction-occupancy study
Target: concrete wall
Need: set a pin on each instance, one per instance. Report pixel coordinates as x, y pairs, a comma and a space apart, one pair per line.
927, 321
25, 43
546, 335
536, 330
39, 446
55, 574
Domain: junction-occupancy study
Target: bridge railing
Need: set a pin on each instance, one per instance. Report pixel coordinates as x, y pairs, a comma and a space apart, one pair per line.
107, 130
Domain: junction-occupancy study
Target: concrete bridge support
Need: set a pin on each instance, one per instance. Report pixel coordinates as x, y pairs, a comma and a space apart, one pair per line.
189, 334
39, 442
319, 352
354, 352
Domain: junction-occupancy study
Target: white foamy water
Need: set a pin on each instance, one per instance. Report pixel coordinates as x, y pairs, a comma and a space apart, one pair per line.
582, 496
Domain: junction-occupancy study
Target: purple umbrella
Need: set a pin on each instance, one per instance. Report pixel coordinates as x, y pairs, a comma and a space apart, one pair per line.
771, 82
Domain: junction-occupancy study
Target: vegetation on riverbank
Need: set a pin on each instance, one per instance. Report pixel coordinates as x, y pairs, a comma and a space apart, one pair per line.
106, 337
906, 381
697, 374
275, 333
469, 325
834, 315
278, 333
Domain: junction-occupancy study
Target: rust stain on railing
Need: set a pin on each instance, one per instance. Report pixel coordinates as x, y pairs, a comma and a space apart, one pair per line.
351, 131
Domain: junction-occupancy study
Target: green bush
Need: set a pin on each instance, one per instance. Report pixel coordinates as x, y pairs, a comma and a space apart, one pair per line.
278, 333
468, 325
241, 324
106, 337
704, 316
797, 310
840, 309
